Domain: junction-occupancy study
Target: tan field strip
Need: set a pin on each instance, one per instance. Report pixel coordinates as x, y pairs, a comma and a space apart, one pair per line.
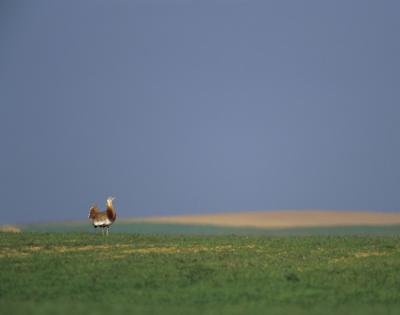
281, 219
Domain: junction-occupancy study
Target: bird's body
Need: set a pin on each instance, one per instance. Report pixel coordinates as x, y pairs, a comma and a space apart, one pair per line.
103, 219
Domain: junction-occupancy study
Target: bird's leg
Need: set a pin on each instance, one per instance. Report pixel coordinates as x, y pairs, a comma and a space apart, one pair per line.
107, 231
102, 230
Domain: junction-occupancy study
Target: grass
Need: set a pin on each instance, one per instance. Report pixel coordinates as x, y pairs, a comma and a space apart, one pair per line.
85, 273
188, 229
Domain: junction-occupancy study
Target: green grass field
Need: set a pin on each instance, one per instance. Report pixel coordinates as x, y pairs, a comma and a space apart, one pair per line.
187, 229
86, 273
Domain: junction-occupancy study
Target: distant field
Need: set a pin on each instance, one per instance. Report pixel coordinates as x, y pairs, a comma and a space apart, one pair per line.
87, 273
200, 229
281, 219
248, 223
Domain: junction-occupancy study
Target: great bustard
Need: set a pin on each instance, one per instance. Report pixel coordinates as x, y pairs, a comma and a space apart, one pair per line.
105, 218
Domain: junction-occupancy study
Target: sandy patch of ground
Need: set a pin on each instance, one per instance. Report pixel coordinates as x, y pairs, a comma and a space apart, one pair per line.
281, 219
9, 228
363, 254
369, 254
122, 250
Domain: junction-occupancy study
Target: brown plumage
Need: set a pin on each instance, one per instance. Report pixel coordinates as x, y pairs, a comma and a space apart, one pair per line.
103, 219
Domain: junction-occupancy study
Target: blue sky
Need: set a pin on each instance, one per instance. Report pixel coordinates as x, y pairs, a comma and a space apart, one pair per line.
198, 106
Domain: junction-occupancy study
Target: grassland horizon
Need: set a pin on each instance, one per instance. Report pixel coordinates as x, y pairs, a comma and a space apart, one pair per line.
261, 219
267, 223
279, 218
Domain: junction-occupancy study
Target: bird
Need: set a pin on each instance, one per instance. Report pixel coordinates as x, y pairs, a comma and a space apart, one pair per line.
103, 219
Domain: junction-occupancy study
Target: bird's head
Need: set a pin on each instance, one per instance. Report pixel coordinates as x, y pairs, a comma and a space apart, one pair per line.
109, 201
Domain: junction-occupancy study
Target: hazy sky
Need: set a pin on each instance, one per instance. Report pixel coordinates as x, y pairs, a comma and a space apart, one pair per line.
198, 106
